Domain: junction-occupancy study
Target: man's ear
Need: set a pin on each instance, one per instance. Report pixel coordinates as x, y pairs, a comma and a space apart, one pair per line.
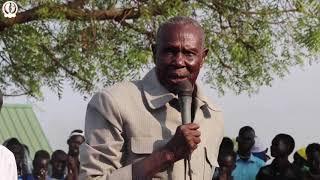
154, 52
68, 141
204, 55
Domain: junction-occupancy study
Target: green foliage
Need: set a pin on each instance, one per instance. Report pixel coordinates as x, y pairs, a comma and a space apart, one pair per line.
250, 42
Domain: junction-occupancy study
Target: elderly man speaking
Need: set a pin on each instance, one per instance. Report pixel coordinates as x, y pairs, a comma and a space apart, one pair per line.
134, 130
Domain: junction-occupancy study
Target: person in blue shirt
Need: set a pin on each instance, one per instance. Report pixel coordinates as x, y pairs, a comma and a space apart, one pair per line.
247, 165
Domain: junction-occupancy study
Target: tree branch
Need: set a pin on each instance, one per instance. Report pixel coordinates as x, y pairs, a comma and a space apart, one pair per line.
71, 11
68, 71
14, 95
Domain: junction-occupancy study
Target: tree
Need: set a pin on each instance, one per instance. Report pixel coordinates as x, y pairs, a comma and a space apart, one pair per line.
91, 43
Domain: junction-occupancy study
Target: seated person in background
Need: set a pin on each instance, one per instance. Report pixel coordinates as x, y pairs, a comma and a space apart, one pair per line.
58, 163
313, 160
227, 163
247, 165
40, 165
280, 168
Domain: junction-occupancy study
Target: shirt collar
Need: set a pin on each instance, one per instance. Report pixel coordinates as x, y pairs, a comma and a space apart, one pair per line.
252, 159
157, 95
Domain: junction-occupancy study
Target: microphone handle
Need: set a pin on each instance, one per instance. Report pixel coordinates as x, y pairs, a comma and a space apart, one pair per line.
185, 104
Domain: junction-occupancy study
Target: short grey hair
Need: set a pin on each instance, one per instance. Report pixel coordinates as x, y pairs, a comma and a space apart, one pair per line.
181, 20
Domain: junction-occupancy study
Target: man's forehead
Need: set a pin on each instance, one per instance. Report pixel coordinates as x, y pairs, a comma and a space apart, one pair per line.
76, 138
174, 30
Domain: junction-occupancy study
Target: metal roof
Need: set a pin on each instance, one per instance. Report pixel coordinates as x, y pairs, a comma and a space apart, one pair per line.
19, 121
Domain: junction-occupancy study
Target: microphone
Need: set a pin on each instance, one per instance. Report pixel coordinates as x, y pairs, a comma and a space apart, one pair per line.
185, 90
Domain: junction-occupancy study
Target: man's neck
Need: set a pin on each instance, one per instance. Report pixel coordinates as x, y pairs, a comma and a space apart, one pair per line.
244, 155
281, 163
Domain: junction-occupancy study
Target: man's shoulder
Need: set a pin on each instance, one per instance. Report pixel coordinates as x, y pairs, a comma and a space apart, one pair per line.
122, 89
266, 169
258, 161
5, 152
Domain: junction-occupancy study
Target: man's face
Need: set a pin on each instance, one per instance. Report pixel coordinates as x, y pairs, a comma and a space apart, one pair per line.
314, 161
246, 141
279, 148
59, 165
179, 55
227, 164
41, 168
74, 144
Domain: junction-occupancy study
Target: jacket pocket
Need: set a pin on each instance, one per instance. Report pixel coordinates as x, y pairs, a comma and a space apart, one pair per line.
146, 145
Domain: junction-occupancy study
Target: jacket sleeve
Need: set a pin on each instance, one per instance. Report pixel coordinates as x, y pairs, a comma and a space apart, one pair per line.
102, 154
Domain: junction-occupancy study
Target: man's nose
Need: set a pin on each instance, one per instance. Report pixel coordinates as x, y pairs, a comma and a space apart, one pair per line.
179, 60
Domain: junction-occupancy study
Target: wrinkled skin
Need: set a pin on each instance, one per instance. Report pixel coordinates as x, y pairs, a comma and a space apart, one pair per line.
179, 55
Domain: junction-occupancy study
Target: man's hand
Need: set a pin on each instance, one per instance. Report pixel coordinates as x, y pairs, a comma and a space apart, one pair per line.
184, 141
182, 144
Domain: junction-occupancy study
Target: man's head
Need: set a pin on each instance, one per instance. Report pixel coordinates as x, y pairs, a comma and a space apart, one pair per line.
179, 51
40, 164
76, 138
227, 161
282, 146
313, 157
245, 139
58, 162
298, 160
18, 151
226, 144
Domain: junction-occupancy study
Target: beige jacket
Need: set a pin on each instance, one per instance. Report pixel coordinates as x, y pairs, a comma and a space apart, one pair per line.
130, 120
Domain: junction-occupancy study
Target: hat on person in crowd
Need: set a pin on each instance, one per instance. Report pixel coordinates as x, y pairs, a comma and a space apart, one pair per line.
77, 132
260, 149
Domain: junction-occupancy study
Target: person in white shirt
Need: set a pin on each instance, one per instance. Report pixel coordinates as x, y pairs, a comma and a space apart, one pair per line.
8, 168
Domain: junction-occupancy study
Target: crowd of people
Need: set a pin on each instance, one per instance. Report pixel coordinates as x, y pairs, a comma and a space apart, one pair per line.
16, 161
246, 163
43, 166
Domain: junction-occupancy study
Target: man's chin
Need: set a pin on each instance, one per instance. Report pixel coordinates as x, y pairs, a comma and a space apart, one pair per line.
173, 82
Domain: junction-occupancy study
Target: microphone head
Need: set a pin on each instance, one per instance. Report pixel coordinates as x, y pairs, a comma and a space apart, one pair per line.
184, 88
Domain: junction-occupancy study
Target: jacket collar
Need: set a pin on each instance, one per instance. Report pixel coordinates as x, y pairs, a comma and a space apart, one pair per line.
157, 95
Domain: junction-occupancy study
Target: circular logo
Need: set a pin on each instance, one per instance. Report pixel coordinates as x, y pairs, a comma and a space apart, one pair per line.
10, 9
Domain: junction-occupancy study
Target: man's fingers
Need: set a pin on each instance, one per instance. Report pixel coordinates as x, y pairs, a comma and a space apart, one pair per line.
196, 133
193, 126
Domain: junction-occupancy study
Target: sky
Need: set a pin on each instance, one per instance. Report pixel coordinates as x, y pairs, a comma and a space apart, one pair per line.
291, 106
